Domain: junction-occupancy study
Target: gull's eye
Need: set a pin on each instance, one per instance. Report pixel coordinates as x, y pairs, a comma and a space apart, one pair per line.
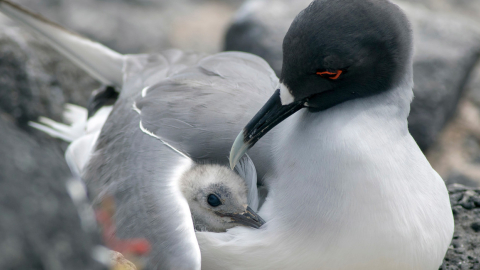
213, 200
330, 75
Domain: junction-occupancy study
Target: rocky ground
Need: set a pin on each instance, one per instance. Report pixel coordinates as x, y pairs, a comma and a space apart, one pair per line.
464, 252
35, 81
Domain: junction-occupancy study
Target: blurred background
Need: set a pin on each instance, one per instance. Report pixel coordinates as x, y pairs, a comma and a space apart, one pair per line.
36, 81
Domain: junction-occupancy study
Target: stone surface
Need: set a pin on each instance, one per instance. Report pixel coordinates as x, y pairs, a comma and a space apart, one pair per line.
464, 251
39, 224
140, 26
447, 47
35, 80
456, 155
470, 8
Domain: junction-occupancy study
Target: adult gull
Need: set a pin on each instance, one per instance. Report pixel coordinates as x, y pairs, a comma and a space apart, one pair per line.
350, 188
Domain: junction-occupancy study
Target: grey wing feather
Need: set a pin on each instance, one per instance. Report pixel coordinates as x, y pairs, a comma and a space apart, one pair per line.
246, 169
99, 61
201, 109
140, 173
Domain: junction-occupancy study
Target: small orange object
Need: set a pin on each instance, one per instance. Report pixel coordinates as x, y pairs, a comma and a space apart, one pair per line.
332, 75
104, 216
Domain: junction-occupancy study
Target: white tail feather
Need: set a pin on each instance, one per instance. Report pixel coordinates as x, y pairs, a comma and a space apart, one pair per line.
75, 115
95, 123
81, 133
78, 153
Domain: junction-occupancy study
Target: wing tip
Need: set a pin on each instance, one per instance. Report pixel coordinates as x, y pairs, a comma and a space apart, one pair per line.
37, 16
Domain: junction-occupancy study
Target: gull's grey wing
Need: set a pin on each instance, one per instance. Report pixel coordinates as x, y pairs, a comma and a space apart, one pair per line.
246, 169
101, 62
194, 104
201, 109
140, 173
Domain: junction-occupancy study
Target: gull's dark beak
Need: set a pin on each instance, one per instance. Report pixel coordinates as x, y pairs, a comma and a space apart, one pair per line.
270, 115
248, 218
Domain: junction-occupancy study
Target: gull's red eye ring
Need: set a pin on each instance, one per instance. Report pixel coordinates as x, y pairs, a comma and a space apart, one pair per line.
330, 75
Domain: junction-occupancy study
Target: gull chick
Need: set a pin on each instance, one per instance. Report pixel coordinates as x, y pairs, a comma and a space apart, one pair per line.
217, 198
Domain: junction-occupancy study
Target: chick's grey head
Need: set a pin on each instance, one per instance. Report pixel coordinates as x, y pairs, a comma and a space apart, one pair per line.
337, 50
217, 198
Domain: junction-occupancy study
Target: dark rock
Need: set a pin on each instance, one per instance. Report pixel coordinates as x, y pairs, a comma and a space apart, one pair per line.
464, 250
259, 28
456, 189
40, 227
447, 47
39, 224
476, 226
35, 80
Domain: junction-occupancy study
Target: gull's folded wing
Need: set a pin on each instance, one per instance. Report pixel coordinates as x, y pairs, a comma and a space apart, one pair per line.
200, 109
174, 101
99, 61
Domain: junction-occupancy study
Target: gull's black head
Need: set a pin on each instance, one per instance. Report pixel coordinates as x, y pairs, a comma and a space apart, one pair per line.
334, 51
337, 50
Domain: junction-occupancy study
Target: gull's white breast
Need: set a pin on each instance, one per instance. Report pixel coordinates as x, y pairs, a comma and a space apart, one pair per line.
351, 190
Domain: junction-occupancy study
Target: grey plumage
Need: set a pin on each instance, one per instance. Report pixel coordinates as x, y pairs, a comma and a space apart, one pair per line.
128, 163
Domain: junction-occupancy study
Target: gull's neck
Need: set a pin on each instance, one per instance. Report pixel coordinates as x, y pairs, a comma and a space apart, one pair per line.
321, 152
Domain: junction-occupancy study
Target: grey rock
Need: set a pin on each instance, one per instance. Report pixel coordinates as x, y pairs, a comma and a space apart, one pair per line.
447, 49
142, 26
40, 227
35, 80
464, 252
457, 177
456, 154
473, 86
475, 226
446, 46
470, 8
39, 224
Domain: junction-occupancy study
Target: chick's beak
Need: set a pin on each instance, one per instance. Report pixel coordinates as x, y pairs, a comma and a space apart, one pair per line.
248, 218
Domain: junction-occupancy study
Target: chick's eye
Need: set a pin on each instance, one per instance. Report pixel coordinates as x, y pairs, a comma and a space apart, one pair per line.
213, 200
330, 75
